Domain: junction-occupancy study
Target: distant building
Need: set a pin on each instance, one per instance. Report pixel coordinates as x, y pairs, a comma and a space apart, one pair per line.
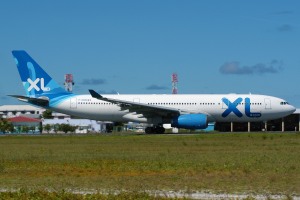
30, 116
20, 122
83, 125
8, 111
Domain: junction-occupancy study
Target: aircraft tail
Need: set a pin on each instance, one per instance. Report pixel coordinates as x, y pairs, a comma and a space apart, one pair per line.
37, 83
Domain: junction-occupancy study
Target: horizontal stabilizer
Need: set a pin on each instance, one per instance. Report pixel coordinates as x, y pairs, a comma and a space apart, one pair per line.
36, 101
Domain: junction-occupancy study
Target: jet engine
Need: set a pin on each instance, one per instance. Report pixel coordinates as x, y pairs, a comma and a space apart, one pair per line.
190, 121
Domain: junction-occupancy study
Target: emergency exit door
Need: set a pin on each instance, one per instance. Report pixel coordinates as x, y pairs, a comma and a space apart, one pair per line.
73, 103
268, 104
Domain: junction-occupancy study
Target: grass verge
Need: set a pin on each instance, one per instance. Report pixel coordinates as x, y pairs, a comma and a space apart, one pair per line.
231, 163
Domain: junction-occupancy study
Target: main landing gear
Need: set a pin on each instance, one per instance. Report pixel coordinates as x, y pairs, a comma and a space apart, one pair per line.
155, 129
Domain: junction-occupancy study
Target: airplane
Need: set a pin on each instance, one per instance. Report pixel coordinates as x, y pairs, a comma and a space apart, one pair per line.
188, 111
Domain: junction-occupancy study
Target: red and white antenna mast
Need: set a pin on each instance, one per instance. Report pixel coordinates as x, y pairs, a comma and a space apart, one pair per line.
69, 82
174, 83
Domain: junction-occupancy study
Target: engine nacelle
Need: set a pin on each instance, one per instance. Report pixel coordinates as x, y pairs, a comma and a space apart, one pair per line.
190, 121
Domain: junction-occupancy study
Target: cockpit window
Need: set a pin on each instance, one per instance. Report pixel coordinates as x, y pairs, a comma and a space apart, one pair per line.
284, 103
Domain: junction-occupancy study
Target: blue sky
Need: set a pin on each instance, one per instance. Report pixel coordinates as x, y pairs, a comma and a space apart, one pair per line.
133, 47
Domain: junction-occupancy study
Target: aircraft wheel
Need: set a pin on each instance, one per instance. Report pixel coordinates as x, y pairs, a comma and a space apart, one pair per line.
159, 129
148, 130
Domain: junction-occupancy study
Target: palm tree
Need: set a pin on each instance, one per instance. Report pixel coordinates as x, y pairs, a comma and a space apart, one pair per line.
47, 128
6, 126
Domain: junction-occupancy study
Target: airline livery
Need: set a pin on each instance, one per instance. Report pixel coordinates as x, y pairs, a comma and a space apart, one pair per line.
189, 111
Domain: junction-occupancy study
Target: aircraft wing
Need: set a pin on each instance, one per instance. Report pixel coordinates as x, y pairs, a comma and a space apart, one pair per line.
140, 108
36, 101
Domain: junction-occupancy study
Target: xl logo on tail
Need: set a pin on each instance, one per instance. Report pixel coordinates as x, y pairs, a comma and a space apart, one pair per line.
34, 85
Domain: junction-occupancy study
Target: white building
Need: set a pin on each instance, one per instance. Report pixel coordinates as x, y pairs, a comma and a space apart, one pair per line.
83, 125
8, 111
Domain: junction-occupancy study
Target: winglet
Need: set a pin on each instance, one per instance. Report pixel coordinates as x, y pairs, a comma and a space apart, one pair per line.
95, 94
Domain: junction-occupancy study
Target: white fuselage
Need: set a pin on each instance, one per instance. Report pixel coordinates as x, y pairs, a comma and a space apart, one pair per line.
217, 107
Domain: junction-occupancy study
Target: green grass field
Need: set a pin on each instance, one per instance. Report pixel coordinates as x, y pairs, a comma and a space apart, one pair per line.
232, 163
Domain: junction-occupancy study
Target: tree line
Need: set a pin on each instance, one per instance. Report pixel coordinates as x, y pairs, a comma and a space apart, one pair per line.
60, 127
7, 127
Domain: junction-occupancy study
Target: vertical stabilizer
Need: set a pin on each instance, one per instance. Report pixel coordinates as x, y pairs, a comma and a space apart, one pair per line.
35, 80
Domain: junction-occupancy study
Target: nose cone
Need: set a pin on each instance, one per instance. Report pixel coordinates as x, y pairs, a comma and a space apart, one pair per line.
291, 109
288, 110
285, 110
285, 107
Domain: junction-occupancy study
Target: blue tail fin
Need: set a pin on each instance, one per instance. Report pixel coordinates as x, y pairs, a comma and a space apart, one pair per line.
36, 81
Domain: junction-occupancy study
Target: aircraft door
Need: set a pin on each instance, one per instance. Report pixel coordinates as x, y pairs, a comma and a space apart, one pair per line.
73, 103
268, 104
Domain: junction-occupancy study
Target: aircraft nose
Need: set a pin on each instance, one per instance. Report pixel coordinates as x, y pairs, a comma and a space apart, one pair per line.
292, 109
